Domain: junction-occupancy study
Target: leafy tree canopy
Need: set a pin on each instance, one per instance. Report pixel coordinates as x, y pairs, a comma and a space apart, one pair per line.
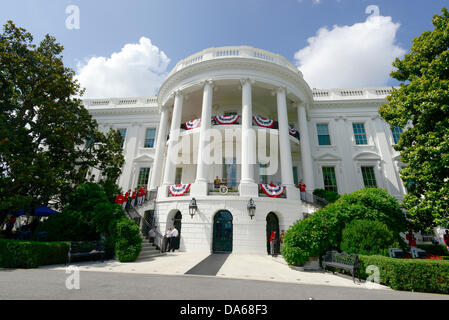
49, 142
422, 105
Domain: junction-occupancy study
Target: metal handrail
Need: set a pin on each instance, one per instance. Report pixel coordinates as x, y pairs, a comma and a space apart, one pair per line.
313, 199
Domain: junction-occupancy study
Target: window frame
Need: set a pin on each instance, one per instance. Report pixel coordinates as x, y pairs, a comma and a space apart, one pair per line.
355, 135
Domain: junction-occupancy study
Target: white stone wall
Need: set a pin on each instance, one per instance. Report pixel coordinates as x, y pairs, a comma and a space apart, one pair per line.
249, 235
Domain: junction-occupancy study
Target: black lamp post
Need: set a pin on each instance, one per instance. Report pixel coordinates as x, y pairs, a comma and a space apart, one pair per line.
193, 207
251, 208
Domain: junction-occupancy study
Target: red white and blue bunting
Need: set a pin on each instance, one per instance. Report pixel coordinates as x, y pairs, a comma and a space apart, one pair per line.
227, 119
192, 124
292, 131
178, 189
272, 190
263, 122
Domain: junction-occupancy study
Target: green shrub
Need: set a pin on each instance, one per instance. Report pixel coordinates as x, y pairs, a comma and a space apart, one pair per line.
87, 216
323, 230
126, 239
31, 254
435, 249
329, 196
367, 237
409, 274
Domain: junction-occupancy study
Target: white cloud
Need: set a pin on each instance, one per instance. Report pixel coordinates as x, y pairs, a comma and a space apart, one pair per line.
351, 56
137, 70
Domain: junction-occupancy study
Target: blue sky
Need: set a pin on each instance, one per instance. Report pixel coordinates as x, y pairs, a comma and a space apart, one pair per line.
182, 27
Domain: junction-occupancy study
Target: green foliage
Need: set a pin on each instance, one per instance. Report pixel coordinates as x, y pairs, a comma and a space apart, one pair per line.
48, 139
329, 196
30, 254
435, 249
409, 274
126, 238
367, 237
423, 101
323, 230
86, 217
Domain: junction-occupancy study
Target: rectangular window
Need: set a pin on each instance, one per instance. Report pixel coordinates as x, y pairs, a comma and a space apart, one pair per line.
359, 133
230, 172
178, 176
369, 178
295, 176
396, 132
324, 138
330, 180
263, 173
123, 134
143, 176
150, 136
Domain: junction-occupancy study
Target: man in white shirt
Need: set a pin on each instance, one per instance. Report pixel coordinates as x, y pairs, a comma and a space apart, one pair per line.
173, 236
166, 243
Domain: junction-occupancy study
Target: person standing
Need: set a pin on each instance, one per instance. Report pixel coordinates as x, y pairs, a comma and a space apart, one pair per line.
152, 234
272, 242
411, 239
120, 199
140, 196
133, 197
167, 240
446, 239
173, 237
302, 189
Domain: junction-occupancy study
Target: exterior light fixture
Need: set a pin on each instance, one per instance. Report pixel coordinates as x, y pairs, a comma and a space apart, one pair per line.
251, 208
193, 207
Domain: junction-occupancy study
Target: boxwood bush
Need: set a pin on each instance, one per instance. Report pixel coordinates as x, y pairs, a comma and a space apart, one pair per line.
126, 239
31, 254
367, 237
409, 274
323, 230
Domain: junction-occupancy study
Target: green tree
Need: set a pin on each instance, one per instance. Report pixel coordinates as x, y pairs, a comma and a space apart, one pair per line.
421, 104
48, 140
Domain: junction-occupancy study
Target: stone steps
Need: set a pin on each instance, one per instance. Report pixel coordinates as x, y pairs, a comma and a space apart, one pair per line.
148, 250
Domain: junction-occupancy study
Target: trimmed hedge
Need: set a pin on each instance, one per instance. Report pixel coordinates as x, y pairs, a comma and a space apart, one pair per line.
435, 249
31, 254
409, 274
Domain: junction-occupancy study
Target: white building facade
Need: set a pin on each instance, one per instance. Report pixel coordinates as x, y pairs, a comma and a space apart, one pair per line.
235, 125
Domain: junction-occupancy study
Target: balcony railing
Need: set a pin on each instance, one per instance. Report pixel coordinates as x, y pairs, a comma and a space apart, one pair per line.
313, 199
222, 189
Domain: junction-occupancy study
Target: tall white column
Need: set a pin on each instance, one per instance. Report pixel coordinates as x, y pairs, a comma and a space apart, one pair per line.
160, 148
247, 186
284, 146
306, 154
173, 145
200, 186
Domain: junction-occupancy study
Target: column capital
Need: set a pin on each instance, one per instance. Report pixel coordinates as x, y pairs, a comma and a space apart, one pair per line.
178, 93
279, 90
243, 81
209, 82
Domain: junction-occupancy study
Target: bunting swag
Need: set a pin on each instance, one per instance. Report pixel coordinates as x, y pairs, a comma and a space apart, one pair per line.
227, 119
264, 122
292, 131
272, 190
192, 124
178, 189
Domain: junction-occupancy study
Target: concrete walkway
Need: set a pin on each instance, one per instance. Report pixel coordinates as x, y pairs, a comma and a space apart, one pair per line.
236, 266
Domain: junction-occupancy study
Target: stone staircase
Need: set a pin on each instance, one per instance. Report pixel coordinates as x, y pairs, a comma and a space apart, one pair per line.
149, 250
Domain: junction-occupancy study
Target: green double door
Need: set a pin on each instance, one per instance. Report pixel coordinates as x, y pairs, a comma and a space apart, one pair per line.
222, 235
